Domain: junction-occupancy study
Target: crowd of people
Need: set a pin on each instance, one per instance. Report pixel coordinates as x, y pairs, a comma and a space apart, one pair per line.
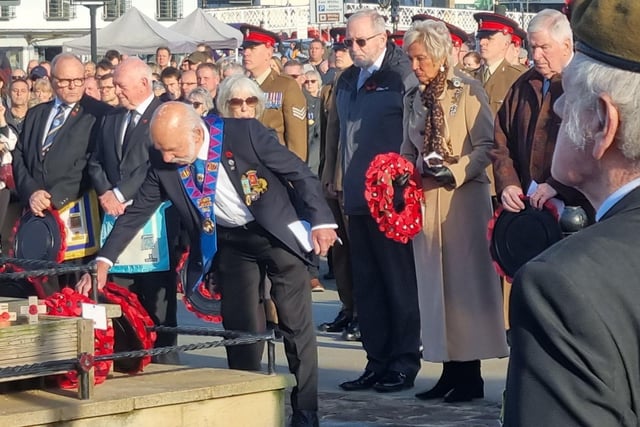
251, 152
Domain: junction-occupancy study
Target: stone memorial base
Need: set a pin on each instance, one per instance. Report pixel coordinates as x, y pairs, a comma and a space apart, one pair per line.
163, 395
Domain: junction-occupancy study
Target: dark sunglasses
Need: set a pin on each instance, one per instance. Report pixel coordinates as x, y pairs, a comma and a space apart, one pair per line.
310, 81
18, 77
195, 104
360, 42
251, 101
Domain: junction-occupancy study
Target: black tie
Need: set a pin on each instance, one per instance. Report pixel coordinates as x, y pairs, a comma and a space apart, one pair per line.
130, 126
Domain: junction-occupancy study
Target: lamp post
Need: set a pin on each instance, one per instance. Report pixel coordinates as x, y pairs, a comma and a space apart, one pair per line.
92, 5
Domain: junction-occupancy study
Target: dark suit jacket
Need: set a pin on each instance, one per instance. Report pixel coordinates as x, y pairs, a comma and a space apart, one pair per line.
575, 325
110, 166
62, 171
251, 147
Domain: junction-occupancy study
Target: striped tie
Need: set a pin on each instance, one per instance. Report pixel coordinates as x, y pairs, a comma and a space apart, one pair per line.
56, 124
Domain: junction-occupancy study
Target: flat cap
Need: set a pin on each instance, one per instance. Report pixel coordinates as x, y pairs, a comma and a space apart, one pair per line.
198, 57
608, 31
458, 35
257, 35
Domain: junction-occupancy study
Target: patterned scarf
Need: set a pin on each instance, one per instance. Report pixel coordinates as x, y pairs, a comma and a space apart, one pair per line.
434, 126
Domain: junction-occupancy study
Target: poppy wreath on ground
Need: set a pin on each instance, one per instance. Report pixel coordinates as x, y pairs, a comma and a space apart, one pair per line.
131, 330
400, 226
203, 291
68, 303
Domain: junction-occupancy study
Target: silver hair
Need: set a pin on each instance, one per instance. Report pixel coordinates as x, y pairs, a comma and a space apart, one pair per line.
582, 113
434, 36
554, 22
316, 75
62, 56
233, 66
234, 84
377, 20
203, 95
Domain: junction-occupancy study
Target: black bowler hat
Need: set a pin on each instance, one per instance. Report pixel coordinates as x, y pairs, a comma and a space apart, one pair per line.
517, 237
39, 238
458, 35
254, 36
491, 23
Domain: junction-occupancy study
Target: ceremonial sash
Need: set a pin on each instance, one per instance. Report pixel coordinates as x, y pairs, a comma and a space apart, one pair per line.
203, 199
148, 250
81, 220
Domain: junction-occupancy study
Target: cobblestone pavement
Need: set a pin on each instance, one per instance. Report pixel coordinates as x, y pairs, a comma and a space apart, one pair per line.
371, 409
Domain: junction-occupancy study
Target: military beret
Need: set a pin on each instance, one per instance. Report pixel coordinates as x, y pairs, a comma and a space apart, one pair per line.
608, 31
257, 35
458, 35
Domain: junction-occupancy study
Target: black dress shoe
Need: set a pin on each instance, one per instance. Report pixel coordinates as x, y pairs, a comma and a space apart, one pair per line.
393, 381
364, 382
465, 392
305, 419
352, 332
339, 323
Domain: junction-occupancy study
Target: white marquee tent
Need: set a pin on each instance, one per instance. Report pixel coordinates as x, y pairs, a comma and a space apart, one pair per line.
204, 28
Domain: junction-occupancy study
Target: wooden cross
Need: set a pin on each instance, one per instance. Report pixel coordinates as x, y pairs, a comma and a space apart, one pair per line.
33, 309
6, 316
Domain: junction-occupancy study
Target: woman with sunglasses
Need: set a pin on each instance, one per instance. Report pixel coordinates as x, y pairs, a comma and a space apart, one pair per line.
201, 100
240, 97
448, 136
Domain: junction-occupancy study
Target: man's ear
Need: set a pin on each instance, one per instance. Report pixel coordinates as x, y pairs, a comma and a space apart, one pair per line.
608, 126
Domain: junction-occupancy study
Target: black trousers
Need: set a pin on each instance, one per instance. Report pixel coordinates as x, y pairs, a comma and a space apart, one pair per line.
385, 291
243, 253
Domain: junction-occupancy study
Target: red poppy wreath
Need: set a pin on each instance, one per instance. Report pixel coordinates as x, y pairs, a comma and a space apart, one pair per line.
384, 169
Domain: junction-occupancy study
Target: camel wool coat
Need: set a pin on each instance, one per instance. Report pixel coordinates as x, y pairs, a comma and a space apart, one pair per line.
458, 289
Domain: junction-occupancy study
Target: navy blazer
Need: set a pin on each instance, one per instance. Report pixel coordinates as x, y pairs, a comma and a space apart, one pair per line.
62, 171
249, 146
110, 166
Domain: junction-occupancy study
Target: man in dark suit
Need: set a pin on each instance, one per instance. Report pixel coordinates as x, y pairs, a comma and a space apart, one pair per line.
575, 318
51, 156
244, 171
117, 168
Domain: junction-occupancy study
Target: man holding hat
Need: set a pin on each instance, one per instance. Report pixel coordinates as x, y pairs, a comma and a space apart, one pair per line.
575, 318
495, 33
286, 107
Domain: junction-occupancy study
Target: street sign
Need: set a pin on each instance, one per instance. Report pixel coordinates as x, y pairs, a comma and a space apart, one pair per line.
326, 11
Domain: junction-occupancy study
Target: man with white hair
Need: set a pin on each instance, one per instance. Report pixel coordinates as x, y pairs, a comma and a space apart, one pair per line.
575, 319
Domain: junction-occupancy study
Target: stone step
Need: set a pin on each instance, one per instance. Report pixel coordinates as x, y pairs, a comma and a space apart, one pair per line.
163, 395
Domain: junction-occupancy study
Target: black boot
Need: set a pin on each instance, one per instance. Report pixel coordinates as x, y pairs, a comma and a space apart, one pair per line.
470, 384
341, 321
445, 384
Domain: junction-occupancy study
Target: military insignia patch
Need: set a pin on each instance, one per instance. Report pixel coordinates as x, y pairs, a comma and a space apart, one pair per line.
299, 113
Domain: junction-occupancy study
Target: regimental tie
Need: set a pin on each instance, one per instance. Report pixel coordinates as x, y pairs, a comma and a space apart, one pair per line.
56, 124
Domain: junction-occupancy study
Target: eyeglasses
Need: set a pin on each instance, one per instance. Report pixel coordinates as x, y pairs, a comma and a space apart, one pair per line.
310, 81
251, 101
195, 104
64, 83
360, 42
18, 77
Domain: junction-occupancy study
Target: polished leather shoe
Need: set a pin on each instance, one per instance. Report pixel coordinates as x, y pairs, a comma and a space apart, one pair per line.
465, 392
393, 381
305, 419
352, 331
364, 382
341, 321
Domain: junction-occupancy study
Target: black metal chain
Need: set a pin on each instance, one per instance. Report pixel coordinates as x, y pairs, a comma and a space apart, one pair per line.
207, 331
42, 268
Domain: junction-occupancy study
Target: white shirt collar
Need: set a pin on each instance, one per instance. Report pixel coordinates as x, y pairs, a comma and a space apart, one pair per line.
140, 109
615, 197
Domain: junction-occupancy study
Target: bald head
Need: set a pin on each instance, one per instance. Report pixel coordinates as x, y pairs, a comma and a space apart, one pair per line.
176, 130
132, 80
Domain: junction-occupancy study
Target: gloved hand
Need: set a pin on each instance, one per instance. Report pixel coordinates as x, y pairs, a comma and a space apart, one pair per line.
441, 174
